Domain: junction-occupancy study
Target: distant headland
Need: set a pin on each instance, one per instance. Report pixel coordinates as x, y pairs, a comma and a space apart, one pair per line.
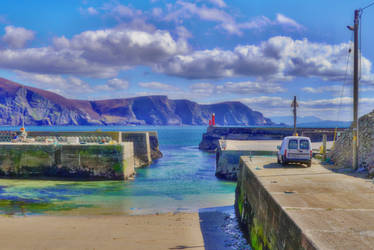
41, 107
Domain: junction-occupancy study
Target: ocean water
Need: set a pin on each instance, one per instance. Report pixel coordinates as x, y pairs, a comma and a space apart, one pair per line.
183, 180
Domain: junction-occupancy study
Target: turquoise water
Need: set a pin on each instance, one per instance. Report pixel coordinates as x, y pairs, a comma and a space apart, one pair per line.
183, 180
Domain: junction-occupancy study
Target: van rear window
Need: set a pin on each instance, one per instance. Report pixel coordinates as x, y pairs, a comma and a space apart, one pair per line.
304, 144
292, 144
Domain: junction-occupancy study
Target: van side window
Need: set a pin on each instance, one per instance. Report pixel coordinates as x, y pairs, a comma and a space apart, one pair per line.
292, 144
304, 144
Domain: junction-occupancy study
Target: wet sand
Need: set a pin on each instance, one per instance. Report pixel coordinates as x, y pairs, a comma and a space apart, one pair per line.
163, 231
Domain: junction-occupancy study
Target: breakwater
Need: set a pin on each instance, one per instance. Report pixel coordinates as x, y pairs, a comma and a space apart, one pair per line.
229, 152
213, 134
77, 154
146, 146
91, 161
303, 208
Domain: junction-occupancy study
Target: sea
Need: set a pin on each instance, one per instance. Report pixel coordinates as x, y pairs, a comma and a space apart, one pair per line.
183, 180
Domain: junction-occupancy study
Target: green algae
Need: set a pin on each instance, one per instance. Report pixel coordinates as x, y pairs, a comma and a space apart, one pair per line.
259, 239
21, 207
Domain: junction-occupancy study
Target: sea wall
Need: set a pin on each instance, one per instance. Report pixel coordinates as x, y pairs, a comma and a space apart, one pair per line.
71, 161
341, 153
229, 152
296, 207
264, 221
146, 146
210, 139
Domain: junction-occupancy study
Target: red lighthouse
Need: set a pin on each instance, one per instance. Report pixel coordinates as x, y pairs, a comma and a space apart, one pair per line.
213, 119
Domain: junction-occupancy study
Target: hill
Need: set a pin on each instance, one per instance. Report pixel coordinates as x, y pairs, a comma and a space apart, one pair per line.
42, 107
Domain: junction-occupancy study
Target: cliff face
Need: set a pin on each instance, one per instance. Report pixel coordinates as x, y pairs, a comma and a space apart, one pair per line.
42, 107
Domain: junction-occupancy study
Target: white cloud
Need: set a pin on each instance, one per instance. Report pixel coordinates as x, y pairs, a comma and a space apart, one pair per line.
237, 88
92, 11
203, 88
282, 19
277, 59
100, 53
327, 109
67, 86
184, 10
157, 12
330, 88
17, 37
124, 11
73, 87
248, 87
157, 86
114, 85
219, 3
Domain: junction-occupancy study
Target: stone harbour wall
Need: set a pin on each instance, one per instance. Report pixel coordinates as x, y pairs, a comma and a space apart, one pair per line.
264, 221
341, 153
89, 161
210, 139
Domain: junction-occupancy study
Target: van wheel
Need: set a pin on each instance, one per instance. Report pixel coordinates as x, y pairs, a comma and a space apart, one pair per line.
284, 162
309, 164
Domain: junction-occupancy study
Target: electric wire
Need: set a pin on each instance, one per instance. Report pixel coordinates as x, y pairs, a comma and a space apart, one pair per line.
345, 80
367, 6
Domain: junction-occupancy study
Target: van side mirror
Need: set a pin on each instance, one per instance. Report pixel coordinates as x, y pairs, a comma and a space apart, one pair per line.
278, 147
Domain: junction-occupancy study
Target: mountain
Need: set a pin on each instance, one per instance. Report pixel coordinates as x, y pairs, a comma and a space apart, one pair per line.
42, 107
310, 121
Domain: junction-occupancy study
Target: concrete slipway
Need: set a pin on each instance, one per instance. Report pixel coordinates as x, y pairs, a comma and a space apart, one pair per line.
296, 207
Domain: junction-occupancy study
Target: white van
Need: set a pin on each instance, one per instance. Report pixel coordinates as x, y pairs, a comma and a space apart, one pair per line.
295, 149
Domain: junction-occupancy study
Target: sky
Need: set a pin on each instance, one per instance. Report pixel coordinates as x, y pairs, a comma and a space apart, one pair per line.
259, 52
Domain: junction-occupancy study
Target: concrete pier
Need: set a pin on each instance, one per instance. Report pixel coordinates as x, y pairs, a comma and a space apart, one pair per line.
229, 152
303, 208
73, 161
146, 148
210, 139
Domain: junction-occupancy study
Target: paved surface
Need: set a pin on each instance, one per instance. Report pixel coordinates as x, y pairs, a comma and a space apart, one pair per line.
335, 210
261, 145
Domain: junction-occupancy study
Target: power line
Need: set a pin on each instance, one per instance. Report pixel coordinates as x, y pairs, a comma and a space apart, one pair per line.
367, 6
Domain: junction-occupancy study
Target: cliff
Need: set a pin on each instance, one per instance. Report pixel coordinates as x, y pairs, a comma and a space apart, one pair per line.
42, 107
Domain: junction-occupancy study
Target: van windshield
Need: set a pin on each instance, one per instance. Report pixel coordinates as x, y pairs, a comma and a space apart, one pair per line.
304, 144
292, 144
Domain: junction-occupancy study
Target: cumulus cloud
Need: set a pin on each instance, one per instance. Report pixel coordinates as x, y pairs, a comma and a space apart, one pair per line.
279, 58
17, 37
100, 53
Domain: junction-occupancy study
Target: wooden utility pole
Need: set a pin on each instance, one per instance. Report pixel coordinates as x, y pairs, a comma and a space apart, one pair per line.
355, 29
294, 105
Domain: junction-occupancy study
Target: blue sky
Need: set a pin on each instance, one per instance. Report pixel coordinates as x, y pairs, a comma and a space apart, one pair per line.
259, 52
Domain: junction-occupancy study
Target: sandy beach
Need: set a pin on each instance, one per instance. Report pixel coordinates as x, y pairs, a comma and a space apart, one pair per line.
163, 231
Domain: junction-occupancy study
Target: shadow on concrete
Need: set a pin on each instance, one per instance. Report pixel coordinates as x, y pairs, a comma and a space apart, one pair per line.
347, 171
220, 229
185, 247
290, 165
